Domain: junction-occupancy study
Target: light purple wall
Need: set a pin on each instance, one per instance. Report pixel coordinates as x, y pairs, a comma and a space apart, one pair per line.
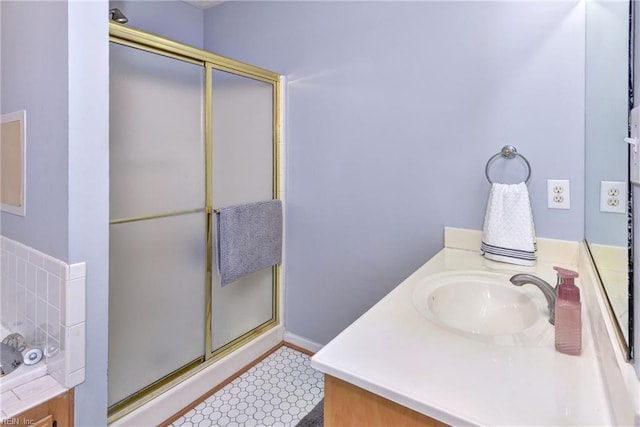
393, 109
35, 78
175, 20
55, 66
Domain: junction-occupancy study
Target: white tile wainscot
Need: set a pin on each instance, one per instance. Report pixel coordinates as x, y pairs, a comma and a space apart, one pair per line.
44, 300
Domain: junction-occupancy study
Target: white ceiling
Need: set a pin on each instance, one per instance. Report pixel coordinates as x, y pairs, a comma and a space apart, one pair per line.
204, 4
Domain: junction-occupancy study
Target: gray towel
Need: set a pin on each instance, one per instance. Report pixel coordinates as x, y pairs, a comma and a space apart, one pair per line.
249, 239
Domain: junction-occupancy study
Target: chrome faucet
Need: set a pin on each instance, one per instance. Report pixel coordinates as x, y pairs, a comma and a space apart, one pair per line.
548, 290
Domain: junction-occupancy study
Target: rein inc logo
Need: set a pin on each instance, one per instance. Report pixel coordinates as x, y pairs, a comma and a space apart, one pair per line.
14, 421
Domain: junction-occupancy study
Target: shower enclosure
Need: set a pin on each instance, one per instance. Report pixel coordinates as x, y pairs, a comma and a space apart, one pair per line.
190, 131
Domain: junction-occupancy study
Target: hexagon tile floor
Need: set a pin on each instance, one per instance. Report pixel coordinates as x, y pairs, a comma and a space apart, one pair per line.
278, 391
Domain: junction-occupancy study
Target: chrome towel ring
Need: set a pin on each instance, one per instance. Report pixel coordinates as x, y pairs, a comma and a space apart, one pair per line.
508, 152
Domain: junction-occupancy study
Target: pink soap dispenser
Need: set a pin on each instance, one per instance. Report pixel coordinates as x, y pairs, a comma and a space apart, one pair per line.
568, 313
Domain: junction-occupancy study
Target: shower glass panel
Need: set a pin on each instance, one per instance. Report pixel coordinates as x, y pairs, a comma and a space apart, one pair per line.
243, 166
156, 313
157, 137
158, 220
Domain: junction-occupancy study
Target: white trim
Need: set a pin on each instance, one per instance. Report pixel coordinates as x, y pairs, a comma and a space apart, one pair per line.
184, 394
559, 251
461, 238
301, 342
283, 195
18, 116
610, 257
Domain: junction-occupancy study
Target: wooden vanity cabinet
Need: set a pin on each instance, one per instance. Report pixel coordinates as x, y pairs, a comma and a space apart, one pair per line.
348, 405
56, 412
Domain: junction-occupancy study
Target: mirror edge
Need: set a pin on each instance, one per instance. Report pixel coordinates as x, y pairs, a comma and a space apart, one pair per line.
628, 346
620, 338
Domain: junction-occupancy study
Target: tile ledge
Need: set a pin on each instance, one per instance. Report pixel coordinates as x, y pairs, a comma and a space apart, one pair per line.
52, 389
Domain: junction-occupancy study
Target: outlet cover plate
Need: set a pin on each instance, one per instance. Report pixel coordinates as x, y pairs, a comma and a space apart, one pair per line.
634, 150
613, 196
558, 194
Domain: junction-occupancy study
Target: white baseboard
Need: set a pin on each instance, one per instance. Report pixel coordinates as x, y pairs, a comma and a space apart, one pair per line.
301, 342
179, 397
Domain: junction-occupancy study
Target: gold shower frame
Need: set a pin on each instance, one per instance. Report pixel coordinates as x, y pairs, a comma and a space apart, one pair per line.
153, 43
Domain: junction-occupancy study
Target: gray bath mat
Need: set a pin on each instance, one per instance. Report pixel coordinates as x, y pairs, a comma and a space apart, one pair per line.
315, 418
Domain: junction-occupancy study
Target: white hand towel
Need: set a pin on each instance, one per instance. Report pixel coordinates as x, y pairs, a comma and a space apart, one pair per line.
509, 234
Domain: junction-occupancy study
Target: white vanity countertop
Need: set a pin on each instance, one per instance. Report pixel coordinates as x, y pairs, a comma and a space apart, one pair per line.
395, 352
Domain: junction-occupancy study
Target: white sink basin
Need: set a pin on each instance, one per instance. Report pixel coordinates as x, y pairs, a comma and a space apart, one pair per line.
484, 306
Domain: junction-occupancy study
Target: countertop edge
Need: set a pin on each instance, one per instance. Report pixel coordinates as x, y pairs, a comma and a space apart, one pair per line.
394, 396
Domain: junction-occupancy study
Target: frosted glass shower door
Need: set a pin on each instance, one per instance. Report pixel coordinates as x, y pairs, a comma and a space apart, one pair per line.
157, 211
243, 166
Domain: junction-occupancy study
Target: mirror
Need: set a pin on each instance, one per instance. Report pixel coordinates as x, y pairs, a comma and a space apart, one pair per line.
607, 109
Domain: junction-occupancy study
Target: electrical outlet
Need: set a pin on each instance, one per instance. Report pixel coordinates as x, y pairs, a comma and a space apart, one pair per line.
613, 196
558, 194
